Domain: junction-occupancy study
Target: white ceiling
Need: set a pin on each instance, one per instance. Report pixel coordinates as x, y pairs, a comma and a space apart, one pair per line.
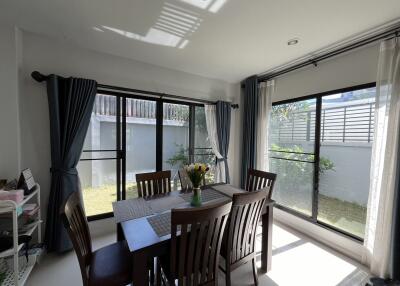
224, 39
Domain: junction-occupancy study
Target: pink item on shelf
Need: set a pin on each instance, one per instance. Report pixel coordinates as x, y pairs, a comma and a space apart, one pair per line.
14, 195
30, 209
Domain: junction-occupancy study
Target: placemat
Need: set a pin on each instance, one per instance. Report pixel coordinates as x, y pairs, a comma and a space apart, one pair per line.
165, 203
206, 195
131, 209
161, 223
227, 190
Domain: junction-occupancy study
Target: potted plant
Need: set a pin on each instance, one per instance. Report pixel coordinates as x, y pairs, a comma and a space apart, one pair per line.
196, 173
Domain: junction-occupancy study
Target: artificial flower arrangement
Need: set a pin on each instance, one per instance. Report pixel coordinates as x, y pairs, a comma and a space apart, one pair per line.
196, 173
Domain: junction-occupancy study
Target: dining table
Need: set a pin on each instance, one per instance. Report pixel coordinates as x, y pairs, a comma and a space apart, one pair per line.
145, 225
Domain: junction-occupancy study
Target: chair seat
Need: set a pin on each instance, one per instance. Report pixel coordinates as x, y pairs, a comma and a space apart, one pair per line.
111, 265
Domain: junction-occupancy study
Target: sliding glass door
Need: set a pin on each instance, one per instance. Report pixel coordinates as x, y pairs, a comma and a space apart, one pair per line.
139, 143
175, 142
320, 147
347, 128
292, 154
131, 134
202, 151
98, 166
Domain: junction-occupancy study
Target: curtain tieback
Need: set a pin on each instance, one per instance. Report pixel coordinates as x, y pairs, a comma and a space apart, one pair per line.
223, 159
70, 171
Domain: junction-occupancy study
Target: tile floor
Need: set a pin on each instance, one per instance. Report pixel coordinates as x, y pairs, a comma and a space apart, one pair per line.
297, 260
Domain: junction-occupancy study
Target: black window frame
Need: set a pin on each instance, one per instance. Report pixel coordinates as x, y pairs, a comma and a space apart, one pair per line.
120, 150
313, 218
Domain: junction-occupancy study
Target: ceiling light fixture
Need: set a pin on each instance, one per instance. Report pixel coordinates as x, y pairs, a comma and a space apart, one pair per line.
293, 42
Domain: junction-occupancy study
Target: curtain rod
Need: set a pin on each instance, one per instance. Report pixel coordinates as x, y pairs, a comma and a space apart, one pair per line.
41, 77
392, 32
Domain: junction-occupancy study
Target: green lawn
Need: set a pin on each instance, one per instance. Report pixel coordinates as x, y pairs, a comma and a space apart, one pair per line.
344, 215
99, 200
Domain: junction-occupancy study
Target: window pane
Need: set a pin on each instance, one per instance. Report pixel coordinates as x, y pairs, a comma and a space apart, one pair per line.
175, 139
103, 128
140, 141
291, 154
347, 123
98, 177
202, 147
201, 135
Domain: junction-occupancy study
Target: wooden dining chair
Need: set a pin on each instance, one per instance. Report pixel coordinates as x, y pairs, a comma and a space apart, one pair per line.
196, 235
153, 183
238, 245
186, 183
257, 180
110, 265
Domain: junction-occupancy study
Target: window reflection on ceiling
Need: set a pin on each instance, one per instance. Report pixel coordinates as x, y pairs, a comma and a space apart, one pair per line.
153, 36
210, 5
174, 25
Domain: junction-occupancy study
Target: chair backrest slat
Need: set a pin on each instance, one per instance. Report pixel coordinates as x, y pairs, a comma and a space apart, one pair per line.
241, 232
257, 180
246, 247
153, 183
74, 220
196, 236
236, 232
254, 224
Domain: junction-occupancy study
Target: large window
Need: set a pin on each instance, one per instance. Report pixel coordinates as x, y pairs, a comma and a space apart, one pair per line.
97, 167
320, 147
139, 144
128, 135
175, 139
202, 151
292, 154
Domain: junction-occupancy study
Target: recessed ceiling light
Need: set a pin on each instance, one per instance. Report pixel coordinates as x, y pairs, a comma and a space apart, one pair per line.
292, 42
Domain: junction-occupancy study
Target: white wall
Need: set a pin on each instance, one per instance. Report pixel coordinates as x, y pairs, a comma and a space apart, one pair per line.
9, 111
357, 67
30, 130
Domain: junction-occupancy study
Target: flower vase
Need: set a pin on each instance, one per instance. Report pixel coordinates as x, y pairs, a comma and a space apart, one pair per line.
196, 198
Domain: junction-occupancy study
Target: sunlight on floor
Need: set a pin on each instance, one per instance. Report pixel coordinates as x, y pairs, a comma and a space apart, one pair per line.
298, 261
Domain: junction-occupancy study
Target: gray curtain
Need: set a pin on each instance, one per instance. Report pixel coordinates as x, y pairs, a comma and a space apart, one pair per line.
70, 106
223, 110
249, 127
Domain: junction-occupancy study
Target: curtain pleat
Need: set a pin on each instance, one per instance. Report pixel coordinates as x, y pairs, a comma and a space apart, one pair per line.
384, 163
266, 91
211, 121
249, 127
223, 113
70, 106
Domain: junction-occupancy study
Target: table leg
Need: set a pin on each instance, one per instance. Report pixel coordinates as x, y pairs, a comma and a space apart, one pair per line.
266, 240
140, 271
120, 233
